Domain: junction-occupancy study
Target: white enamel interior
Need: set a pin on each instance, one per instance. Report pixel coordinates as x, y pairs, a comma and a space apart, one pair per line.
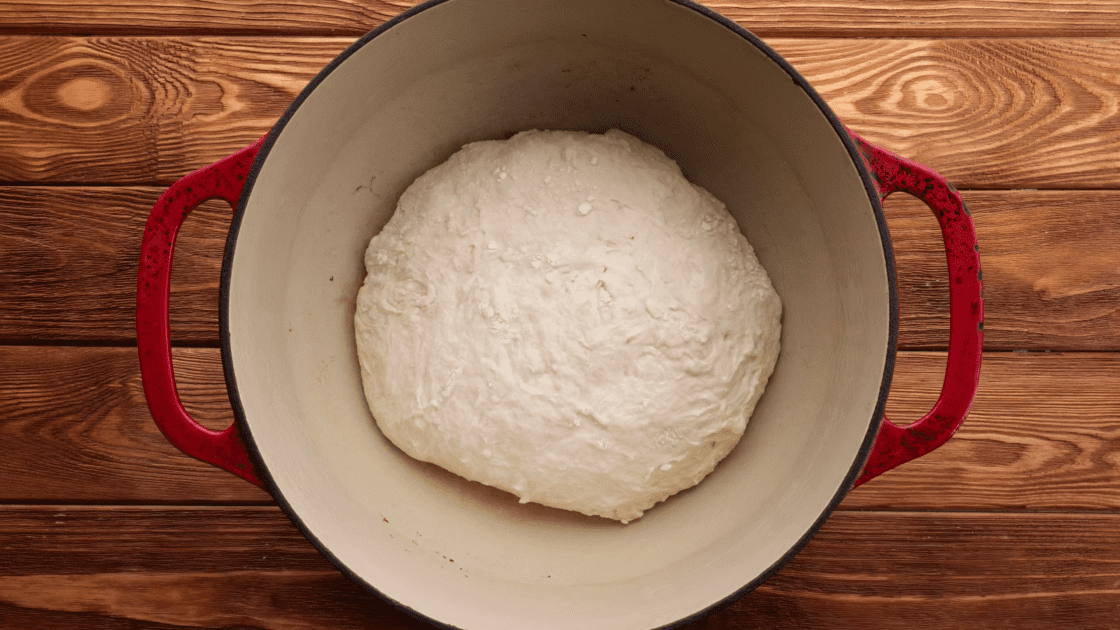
465, 70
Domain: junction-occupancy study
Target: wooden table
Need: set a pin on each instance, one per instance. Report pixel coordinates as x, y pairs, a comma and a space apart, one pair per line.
1014, 524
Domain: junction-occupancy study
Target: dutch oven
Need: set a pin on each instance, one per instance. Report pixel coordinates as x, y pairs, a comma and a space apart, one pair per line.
741, 122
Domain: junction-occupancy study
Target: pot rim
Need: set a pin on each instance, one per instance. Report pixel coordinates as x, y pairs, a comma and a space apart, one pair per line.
888, 368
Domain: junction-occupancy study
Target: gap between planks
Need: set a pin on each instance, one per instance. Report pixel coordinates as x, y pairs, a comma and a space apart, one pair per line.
884, 18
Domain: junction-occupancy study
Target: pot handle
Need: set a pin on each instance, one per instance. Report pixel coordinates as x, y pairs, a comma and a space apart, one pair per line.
223, 179
895, 445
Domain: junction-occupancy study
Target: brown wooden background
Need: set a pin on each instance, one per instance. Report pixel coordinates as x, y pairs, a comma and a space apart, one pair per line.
1014, 524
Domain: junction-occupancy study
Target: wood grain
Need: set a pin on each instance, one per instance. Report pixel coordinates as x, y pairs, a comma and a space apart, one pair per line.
941, 570
992, 113
75, 428
1043, 435
66, 567
1002, 114
897, 18
142, 110
71, 257
1049, 262
143, 567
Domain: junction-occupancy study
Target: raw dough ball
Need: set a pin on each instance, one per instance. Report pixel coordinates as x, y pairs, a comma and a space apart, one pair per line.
564, 316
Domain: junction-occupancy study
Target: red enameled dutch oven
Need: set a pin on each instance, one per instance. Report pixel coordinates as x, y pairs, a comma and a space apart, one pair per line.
740, 122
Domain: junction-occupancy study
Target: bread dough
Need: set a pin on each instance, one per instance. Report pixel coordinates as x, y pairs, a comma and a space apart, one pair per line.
562, 315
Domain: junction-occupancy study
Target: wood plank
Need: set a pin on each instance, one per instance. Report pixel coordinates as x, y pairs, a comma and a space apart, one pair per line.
66, 567
1049, 267
144, 568
905, 571
75, 428
1032, 113
187, 17
1043, 435
1050, 261
142, 110
806, 18
71, 257
988, 113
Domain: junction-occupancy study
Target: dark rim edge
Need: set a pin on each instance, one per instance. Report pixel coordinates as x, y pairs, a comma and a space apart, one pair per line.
892, 341
223, 314
888, 371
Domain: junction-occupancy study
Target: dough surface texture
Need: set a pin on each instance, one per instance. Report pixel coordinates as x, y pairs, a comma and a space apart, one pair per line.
562, 315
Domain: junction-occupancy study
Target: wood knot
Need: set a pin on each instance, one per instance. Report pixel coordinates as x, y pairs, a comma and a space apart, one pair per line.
84, 93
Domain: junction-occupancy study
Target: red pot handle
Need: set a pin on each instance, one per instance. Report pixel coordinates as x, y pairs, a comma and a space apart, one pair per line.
224, 179
895, 445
